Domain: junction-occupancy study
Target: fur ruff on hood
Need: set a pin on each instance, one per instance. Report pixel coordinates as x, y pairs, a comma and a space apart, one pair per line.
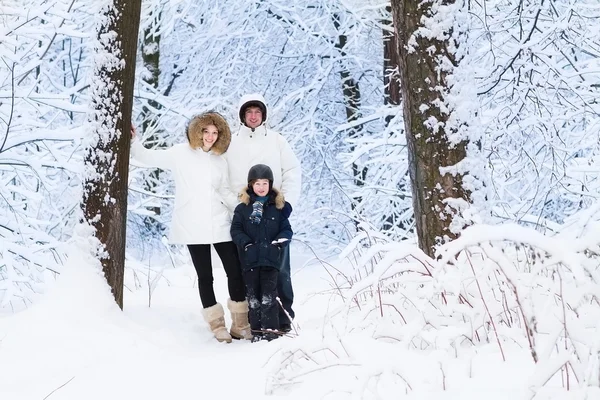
279, 199
199, 122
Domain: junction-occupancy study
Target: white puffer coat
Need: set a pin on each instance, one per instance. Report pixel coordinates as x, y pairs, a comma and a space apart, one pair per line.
264, 146
203, 198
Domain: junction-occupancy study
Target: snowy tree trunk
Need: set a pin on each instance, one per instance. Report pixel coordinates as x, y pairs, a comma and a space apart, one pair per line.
426, 59
107, 154
151, 75
352, 99
391, 96
391, 84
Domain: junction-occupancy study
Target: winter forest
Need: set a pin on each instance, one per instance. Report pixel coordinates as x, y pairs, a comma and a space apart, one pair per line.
447, 240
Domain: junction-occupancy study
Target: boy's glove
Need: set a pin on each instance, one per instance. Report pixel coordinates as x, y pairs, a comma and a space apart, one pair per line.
280, 242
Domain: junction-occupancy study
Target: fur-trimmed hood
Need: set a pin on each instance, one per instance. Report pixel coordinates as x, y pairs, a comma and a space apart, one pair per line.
194, 129
275, 196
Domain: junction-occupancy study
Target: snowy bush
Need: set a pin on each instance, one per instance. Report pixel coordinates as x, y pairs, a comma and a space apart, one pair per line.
42, 80
506, 293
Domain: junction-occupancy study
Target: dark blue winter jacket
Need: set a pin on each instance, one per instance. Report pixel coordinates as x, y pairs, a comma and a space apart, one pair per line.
254, 241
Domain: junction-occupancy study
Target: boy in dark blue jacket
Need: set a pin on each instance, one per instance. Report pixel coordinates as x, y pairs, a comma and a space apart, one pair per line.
260, 229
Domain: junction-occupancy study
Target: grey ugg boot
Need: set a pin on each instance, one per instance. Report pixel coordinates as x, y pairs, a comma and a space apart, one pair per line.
240, 327
215, 317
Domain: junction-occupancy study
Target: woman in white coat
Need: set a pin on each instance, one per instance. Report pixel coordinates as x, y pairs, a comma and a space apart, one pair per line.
201, 215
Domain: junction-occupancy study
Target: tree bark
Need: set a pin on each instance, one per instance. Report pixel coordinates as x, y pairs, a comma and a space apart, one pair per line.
107, 156
424, 80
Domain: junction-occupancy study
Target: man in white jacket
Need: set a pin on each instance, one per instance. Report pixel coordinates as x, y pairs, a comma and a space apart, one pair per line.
255, 144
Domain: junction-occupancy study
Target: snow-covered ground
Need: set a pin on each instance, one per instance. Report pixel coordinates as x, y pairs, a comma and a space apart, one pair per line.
75, 343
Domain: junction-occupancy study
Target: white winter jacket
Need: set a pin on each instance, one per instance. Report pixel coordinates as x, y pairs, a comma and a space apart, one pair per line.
264, 146
203, 198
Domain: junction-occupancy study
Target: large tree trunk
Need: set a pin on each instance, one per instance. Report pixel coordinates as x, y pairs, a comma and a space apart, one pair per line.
424, 80
107, 156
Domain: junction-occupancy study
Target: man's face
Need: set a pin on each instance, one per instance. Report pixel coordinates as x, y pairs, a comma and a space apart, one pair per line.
253, 117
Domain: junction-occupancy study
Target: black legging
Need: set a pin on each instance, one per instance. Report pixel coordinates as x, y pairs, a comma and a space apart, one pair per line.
228, 254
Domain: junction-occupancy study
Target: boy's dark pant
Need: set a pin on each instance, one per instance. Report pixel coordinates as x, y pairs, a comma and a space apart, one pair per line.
284, 287
261, 291
201, 259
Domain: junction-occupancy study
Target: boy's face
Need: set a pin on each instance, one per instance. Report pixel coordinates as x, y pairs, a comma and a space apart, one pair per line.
261, 187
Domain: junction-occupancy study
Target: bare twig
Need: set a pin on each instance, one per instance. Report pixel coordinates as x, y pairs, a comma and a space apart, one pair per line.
60, 387
486, 308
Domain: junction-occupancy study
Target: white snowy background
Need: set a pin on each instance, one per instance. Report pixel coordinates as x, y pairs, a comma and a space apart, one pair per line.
510, 310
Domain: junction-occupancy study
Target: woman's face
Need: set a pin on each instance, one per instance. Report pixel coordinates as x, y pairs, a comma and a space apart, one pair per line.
210, 134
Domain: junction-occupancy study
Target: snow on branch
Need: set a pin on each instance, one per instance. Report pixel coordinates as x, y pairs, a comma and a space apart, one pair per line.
42, 104
508, 292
